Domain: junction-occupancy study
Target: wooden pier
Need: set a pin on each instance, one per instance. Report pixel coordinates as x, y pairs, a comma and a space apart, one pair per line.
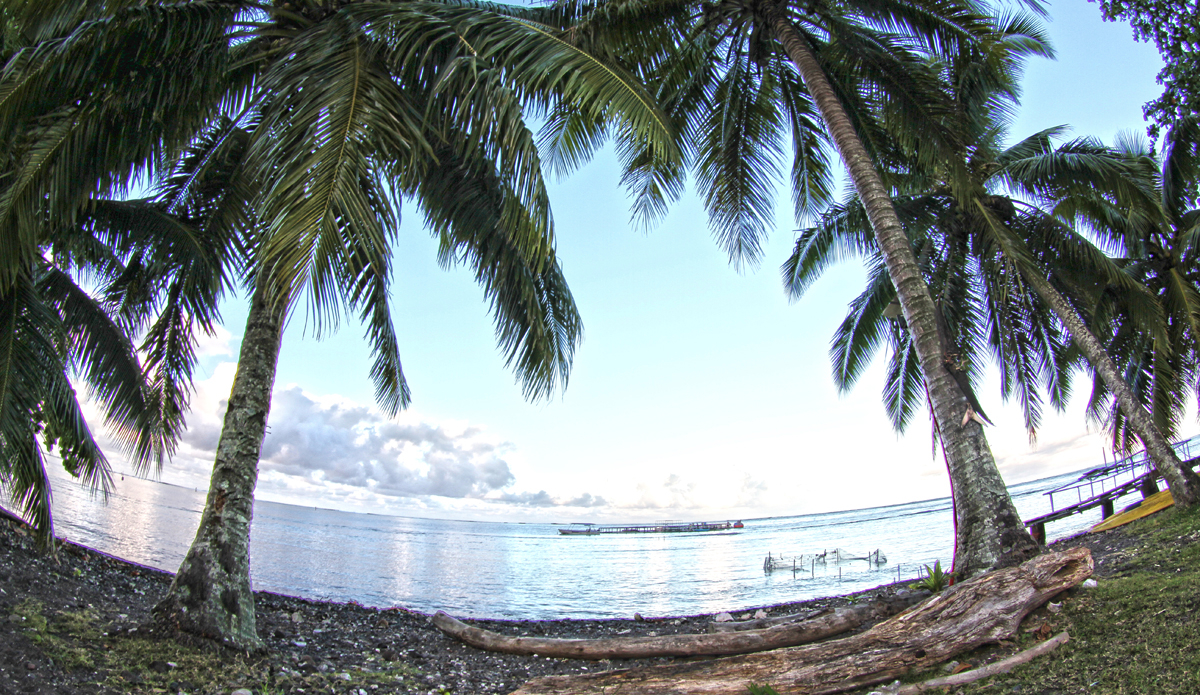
1105, 485
584, 529
809, 562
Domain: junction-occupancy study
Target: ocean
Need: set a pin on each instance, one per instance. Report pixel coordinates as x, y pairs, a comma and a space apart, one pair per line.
530, 571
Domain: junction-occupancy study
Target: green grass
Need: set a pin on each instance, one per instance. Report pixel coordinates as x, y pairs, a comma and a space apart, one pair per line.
33, 623
132, 663
1135, 633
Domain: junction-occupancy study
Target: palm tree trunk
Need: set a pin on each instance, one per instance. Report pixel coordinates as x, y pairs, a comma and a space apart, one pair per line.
1185, 484
211, 594
989, 532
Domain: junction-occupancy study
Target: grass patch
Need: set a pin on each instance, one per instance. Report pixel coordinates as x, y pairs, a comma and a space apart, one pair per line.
1136, 632
33, 623
49, 635
134, 663
143, 664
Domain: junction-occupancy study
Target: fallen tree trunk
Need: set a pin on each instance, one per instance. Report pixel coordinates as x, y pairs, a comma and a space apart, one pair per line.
985, 671
982, 610
761, 623
901, 601
723, 644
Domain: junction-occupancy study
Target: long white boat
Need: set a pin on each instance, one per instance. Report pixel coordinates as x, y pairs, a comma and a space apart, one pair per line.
664, 527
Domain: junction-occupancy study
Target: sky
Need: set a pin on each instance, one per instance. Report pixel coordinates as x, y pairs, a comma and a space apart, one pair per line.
698, 392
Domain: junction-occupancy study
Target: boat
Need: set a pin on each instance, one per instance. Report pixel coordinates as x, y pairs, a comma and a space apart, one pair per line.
662, 527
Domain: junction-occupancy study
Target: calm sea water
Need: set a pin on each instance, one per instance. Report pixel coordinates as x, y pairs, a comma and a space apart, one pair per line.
513, 570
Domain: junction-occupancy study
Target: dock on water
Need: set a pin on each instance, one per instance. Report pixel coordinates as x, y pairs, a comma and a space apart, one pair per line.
806, 563
586, 529
1102, 487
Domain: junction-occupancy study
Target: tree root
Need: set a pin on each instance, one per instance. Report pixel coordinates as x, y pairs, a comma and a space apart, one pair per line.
985, 671
978, 611
723, 644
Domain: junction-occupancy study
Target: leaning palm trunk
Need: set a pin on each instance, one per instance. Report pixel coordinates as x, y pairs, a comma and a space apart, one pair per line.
1185, 484
989, 533
211, 594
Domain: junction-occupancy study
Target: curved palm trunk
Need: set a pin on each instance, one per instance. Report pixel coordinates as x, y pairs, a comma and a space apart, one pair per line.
989, 532
1185, 484
211, 594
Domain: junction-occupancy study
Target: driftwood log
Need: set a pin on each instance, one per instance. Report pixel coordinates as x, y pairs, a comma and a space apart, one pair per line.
985, 671
904, 599
976, 612
760, 623
723, 644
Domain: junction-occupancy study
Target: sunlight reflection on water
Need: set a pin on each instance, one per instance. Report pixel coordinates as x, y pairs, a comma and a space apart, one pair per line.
529, 570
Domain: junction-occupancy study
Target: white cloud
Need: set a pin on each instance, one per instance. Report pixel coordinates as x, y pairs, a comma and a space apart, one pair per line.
219, 344
1047, 457
541, 498
752, 492
332, 441
331, 451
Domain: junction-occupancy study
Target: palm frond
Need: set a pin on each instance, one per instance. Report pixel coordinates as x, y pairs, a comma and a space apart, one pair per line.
537, 325
738, 161
904, 385
36, 400
844, 232
863, 331
104, 357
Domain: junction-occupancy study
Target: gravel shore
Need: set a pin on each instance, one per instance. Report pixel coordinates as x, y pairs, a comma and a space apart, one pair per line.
63, 618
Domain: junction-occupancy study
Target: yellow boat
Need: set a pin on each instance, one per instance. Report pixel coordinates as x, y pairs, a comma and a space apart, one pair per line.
1154, 503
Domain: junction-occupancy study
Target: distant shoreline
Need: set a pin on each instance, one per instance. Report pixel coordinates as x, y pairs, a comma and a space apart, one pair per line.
78, 624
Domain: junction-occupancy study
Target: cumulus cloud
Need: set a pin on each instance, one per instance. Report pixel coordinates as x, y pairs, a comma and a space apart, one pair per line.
541, 498
329, 447
752, 492
203, 434
336, 443
675, 492
1069, 453
587, 499
345, 443
219, 344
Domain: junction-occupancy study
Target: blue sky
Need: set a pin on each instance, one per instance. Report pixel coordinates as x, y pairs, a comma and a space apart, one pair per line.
698, 391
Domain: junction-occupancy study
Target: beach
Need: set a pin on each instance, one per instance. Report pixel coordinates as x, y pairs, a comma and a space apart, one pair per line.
507, 570
95, 636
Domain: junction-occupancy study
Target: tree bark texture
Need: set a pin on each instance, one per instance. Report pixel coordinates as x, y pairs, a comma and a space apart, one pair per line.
940, 684
989, 532
211, 594
1185, 484
760, 623
721, 644
969, 614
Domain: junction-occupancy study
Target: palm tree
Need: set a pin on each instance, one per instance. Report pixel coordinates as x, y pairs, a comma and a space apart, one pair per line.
744, 78
77, 314
1155, 241
84, 279
995, 261
986, 309
334, 112
989, 533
